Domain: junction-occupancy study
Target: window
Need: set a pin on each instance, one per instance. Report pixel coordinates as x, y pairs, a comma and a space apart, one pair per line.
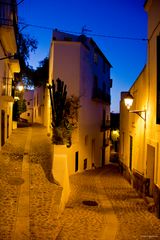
104, 87
158, 80
95, 58
104, 67
28, 114
95, 83
28, 103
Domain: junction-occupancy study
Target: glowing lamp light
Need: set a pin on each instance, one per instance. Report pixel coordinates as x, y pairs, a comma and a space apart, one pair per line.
128, 100
20, 87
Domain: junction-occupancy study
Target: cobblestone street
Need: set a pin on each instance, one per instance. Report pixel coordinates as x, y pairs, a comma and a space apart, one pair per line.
81, 222
120, 213
43, 195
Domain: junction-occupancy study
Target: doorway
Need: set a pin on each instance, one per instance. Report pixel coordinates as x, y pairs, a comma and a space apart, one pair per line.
93, 153
76, 161
150, 167
130, 152
7, 126
2, 127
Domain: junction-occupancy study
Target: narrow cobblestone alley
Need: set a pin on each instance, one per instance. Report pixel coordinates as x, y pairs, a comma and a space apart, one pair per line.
11, 157
43, 195
120, 213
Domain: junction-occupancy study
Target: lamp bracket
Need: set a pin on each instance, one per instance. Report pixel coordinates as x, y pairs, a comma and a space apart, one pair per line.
141, 113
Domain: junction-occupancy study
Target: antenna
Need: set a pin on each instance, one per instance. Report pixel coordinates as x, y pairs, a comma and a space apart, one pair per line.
85, 29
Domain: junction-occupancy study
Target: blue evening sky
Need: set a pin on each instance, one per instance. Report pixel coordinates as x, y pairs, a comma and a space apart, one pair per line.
119, 18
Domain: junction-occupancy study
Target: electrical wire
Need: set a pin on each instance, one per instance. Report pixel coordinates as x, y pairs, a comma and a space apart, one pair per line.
19, 2
88, 33
11, 4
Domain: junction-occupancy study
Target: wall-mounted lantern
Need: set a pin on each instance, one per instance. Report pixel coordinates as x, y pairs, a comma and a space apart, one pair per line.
128, 101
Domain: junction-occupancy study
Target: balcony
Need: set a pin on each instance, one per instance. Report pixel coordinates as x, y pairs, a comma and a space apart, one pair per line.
8, 10
99, 95
7, 25
7, 90
14, 65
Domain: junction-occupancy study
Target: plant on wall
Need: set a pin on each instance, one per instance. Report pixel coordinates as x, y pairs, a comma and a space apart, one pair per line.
64, 113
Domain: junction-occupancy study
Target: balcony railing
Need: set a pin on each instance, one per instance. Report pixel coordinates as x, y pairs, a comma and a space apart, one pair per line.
7, 87
7, 13
100, 96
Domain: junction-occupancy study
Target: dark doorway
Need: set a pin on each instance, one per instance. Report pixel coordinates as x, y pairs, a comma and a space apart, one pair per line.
103, 149
76, 161
7, 126
93, 152
2, 127
85, 164
130, 152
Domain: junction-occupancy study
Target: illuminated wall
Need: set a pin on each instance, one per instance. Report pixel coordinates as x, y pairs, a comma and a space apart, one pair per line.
145, 134
153, 129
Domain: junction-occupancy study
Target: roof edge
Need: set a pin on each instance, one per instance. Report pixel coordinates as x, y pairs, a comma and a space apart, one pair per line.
147, 5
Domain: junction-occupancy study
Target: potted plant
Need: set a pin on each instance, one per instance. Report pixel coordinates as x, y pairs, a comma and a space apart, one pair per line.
64, 113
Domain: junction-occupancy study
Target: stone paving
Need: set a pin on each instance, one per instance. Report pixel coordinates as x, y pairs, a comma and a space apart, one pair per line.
81, 222
11, 157
85, 222
135, 221
121, 214
44, 195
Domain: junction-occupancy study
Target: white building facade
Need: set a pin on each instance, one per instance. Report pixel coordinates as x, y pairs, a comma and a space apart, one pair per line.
140, 134
78, 61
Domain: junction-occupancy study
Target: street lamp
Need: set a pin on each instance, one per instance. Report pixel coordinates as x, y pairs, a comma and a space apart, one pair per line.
18, 91
128, 101
20, 87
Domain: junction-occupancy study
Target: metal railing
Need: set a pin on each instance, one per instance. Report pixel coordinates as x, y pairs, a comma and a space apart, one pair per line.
99, 95
7, 87
7, 12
